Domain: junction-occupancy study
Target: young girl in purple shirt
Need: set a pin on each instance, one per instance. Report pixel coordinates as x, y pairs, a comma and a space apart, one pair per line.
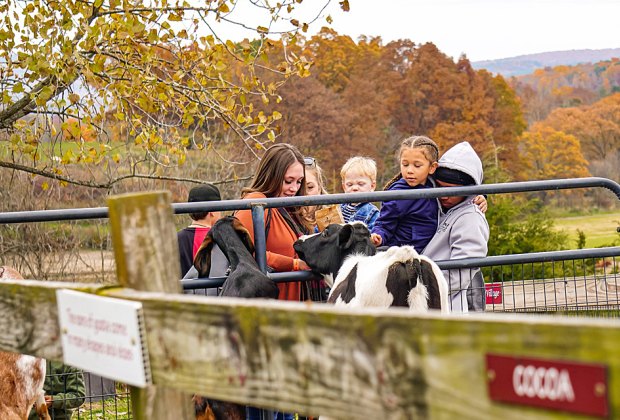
410, 222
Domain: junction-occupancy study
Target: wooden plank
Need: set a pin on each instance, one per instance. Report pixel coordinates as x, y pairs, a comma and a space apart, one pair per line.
29, 320
317, 359
146, 254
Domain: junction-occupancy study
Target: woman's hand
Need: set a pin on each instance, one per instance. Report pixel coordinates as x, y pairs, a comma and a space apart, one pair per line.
376, 239
481, 202
299, 265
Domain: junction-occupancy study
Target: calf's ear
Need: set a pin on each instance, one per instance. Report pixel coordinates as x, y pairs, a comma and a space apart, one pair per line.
345, 236
202, 260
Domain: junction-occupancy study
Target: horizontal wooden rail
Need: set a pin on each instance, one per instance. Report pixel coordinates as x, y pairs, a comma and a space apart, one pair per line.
318, 359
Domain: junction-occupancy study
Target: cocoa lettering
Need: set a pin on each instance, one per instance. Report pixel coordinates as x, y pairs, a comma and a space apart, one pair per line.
543, 383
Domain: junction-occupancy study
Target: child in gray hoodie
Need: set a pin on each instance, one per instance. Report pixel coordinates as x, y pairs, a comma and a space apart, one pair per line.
463, 231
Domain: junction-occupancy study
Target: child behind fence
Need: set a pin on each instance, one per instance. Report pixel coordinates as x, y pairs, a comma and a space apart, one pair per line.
359, 174
64, 391
410, 222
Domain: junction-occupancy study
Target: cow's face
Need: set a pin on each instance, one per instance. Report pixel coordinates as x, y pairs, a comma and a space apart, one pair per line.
324, 252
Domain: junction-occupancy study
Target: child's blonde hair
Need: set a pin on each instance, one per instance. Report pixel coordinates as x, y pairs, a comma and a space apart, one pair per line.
318, 173
361, 165
429, 149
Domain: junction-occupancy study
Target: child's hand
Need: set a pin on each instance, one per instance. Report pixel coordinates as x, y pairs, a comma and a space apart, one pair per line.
376, 239
481, 202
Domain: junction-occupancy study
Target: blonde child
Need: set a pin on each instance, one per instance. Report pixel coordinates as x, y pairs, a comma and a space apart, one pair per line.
315, 185
359, 174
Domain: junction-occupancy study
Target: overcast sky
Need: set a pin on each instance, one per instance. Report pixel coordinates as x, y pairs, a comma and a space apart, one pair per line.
482, 29
487, 29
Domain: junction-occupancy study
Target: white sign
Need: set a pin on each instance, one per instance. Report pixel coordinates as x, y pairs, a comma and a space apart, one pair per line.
104, 335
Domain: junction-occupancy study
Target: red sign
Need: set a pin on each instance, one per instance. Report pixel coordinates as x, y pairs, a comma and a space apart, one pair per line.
493, 293
556, 385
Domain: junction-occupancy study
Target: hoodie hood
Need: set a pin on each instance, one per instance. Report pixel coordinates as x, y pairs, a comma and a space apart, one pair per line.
463, 157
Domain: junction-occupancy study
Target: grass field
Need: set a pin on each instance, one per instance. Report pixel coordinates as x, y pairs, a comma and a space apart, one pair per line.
600, 229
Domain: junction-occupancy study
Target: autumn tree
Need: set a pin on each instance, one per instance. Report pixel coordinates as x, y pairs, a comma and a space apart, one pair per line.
596, 126
566, 86
551, 154
71, 71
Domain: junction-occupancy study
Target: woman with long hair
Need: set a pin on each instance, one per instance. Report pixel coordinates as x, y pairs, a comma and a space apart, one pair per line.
281, 173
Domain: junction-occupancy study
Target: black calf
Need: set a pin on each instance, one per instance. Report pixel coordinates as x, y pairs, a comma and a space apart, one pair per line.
245, 278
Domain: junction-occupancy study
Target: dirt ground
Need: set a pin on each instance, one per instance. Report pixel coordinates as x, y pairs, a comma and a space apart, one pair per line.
86, 266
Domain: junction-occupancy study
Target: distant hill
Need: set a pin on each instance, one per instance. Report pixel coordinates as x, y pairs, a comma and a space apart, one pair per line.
525, 64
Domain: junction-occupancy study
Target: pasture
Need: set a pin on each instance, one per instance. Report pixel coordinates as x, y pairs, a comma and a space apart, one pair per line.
600, 229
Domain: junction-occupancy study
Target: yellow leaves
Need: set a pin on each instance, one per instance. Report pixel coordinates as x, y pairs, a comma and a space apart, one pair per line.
220, 66
68, 157
153, 36
262, 30
344, 5
74, 97
71, 129
18, 87
44, 95
223, 8
173, 17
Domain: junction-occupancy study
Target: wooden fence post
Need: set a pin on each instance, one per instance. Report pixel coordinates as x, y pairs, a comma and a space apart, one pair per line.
146, 253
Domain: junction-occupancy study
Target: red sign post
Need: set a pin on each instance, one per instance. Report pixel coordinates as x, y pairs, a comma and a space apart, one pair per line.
556, 385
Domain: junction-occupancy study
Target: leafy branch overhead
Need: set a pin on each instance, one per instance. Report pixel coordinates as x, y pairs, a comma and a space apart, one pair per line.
131, 87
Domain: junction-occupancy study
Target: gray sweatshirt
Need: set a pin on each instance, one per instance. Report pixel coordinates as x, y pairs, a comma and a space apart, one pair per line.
463, 232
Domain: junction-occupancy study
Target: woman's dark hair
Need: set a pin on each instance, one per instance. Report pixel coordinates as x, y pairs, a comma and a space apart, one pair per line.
272, 168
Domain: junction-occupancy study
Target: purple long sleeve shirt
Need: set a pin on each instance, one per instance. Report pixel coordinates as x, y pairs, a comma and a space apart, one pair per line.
407, 222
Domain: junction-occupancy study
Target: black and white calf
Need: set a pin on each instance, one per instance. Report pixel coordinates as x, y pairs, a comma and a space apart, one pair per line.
245, 278
397, 277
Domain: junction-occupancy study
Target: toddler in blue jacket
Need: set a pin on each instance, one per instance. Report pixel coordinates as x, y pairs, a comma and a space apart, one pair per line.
359, 174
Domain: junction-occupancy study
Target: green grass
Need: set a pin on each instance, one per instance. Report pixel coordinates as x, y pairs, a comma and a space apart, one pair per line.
111, 408
600, 229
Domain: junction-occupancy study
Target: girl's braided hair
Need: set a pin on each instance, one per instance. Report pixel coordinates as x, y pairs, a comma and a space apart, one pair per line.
429, 149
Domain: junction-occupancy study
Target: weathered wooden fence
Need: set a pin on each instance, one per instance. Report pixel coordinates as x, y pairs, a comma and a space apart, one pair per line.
315, 359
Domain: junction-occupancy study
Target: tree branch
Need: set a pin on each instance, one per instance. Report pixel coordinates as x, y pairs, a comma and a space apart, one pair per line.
108, 185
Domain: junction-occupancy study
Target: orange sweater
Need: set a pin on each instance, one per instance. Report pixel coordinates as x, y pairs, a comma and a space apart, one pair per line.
280, 252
